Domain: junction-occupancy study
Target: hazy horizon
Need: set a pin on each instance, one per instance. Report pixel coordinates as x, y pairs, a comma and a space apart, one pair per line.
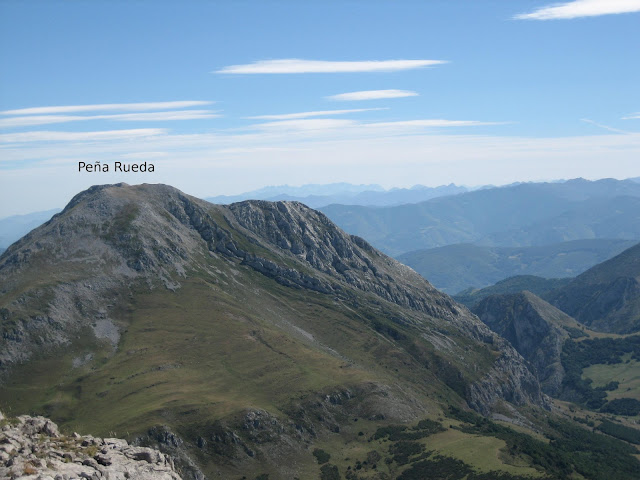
284, 186
227, 97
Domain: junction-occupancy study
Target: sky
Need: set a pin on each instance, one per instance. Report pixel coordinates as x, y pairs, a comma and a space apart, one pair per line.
224, 97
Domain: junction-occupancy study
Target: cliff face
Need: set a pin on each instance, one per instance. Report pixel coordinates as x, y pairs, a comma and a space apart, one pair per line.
151, 304
605, 297
534, 328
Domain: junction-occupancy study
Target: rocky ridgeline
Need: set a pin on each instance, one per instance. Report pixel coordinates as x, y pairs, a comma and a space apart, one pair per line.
32, 448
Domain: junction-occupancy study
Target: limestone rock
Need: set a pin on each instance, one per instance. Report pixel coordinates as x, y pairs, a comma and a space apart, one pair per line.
32, 448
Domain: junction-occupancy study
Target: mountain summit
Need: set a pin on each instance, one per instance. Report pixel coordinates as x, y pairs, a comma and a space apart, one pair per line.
235, 335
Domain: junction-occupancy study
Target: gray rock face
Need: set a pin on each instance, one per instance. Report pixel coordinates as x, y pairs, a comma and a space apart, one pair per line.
534, 328
315, 241
32, 448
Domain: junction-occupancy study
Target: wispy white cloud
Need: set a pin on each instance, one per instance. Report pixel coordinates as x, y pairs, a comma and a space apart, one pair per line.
306, 124
162, 116
102, 107
144, 155
604, 127
432, 123
32, 120
172, 115
48, 136
581, 8
359, 128
372, 95
295, 65
632, 116
319, 113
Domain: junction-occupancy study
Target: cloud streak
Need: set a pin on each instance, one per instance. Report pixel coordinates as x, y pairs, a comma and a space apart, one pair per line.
319, 113
605, 127
358, 128
308, 124
581, 8
33, 120
102, 107
430, 123
372, 95
296, 65
48, 136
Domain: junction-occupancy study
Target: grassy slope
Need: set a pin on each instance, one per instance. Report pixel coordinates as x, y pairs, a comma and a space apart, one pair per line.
219, 345
165, 358
203, 354
628, 374
483, 452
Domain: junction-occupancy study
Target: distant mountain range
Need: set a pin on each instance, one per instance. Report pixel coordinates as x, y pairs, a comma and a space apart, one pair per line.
522, 215
316, 196
448, 214
454, 268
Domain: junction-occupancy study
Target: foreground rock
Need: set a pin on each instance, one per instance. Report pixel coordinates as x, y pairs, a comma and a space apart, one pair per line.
32, 448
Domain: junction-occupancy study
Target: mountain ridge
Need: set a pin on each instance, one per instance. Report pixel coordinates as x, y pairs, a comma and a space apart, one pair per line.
145, 304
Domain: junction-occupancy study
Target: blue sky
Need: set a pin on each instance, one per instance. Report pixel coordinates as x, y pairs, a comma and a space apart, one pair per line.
387, 92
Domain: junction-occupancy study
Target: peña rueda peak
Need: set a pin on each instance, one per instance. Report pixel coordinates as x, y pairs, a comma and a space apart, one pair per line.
234, 336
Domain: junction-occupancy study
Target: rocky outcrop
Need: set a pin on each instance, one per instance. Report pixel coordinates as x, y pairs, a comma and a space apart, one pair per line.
534, 328
32, 448
509, 380
317, 242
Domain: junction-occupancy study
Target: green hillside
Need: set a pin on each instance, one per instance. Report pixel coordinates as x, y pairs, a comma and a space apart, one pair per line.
454, 268
607, 296
537, 285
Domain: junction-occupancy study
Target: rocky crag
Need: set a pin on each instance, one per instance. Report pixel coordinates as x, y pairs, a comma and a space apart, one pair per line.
536, 329
32, 448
